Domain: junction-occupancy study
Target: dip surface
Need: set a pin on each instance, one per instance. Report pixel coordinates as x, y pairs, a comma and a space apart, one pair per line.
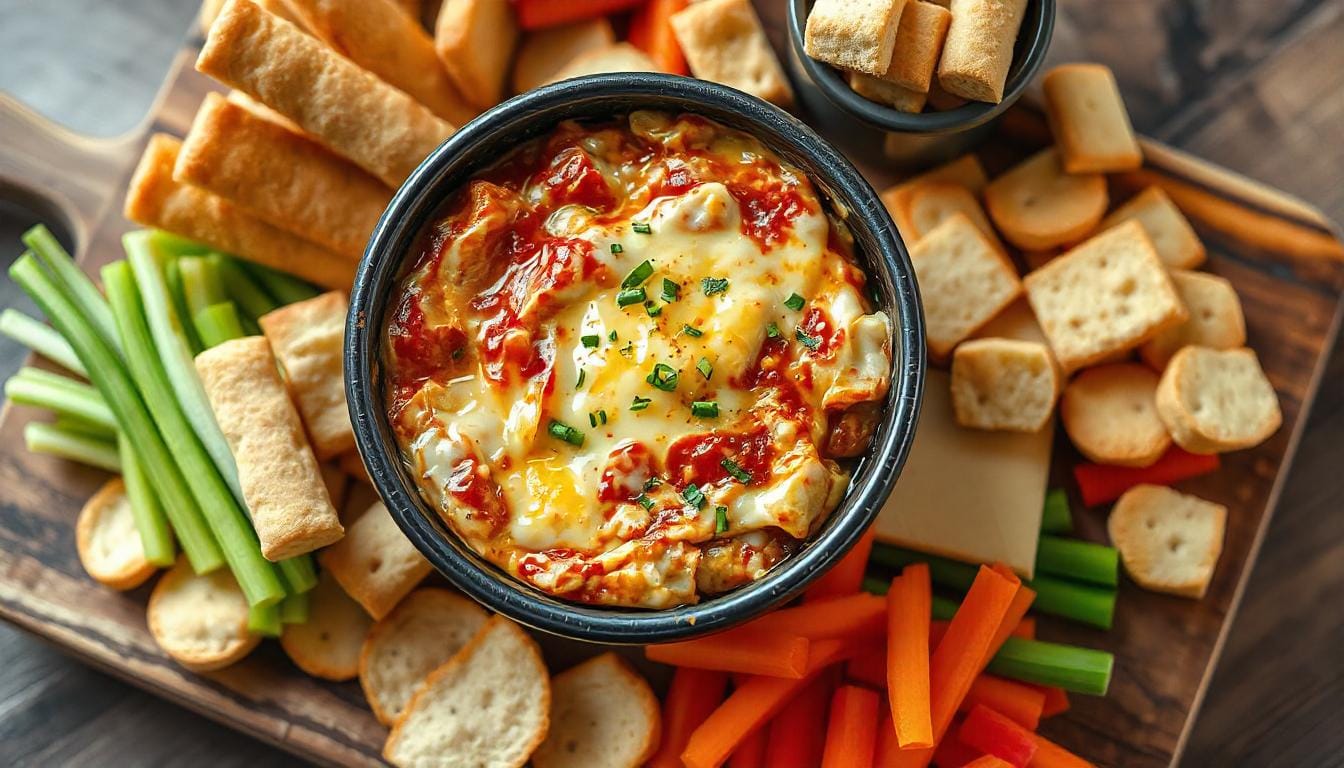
625, 359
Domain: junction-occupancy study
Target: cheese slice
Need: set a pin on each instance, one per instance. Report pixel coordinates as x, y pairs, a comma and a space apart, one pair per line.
969, 494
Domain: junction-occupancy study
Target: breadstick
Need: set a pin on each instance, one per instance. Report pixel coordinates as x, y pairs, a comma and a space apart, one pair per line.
282, 483
308, 338
232, 153
853, 34
979, 48
349, 110
897, 97
155, 200
475, 41
919, 42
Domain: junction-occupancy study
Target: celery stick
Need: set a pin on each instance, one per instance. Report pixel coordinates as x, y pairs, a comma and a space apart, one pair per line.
64, 271
111, 378
172, 279
294, 609
875, 585
155, 536
1055, 517
1081, 560
255, 575
250, 297
200, 282
54, 441
65, 397
299, 574
1080, 670
948, 573
41, 338
264, 620
286, 288
944, 609
166, 327
175, 245
218, 323
81, 427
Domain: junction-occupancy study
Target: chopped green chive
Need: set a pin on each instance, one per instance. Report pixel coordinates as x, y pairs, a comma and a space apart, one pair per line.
713, 285
795, 302
720, 521
590, 341
638, 275
612, 336
664, 377
629, 296
772, 331
562, 431
616, 248
642, 228
671, 291
601, 416
653, 310
693, 496
640, 403
583, 374
733, 468
597, 417
705, 368
705, 409
628, 351
651, 483
811, 342
691, 330
644, 501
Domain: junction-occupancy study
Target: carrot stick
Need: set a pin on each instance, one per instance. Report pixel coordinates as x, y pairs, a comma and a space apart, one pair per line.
756, 653
908, 605
857, 614
1100, 483
798, 732
965, 649
996, 734
988, 761
869, 667
846, 577
751, 752
756, 701
651, 32
1021, 702
852, 732
1051, 755
693, 694
949, 753
1025, 629
937, 630
1056, 701
535, 14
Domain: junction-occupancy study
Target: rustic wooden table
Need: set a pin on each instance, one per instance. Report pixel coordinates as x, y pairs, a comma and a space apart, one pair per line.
1257, 87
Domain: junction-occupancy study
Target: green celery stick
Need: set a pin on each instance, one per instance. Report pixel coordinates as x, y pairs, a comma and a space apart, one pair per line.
265, 620
201, 285
41, 338
218, 323
1081, 560
1079, 670
294, 609
110, 376
1055, 517
250, 297
226, 519
174, 245
155, 535
65, 272
52, 440
81, 427
60, 395
875, 585
284, 287
299, 574
172, 279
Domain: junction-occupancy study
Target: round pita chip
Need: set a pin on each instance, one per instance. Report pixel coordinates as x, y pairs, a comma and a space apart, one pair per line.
200, 620
109, 544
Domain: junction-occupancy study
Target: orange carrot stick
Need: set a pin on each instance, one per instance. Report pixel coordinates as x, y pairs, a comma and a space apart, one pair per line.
1020, 702
858, 614
1051, 755
756, 701
1056, 701
908, 609
756, 653
846, 576
751, 752
798, 732
852, 732
869, 667
972, 638
1025, 629
693, 694
950, 752
988, 761
651, 32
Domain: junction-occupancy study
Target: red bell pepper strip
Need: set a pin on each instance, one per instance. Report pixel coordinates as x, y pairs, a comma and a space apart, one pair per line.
1100, 483
997, 734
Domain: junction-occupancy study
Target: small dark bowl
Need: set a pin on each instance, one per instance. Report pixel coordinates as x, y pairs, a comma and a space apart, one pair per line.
483, 142
927, 137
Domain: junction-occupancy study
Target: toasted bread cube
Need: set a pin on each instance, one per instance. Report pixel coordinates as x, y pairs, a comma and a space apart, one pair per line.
1038, 206
1016, 321
1088, 118
621, 57
474, 40
965, 171
962, 280
1217, 400
897, 97
1168, 541
1004, 384
1215, 319
723, 42
978, 51
919, 42
853, 34
544, 52
931, 203
1110, 414
1175, 240
603, 715
1104, 297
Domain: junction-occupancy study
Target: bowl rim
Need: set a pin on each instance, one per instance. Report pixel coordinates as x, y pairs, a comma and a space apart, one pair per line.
456, 160
968, 116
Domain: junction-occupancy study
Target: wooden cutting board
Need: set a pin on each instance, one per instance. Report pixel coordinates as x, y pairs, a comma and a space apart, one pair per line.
1283, 257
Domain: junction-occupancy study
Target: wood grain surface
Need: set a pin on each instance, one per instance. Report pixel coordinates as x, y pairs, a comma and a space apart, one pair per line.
1235, 85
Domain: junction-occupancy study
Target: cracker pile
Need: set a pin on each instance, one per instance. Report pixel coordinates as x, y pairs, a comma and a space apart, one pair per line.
1085, 290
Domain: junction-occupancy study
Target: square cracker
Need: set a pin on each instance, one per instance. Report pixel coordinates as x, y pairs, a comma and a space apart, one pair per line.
724, 42
963, 282
1108, 295
853, 34
1089, 121
308, 338
1175, 240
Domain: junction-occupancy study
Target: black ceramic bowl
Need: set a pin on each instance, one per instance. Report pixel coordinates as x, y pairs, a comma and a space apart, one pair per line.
484, 141
927, 137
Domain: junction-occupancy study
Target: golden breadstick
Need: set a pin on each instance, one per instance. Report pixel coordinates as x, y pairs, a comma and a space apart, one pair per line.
475, 41
1089, 121
308, 338
853, 34
724, 42
155, 200
919, 41
979, 48
282, 484
543, 53
897, 97
377, 36
234, 154
263, 111
349, 110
